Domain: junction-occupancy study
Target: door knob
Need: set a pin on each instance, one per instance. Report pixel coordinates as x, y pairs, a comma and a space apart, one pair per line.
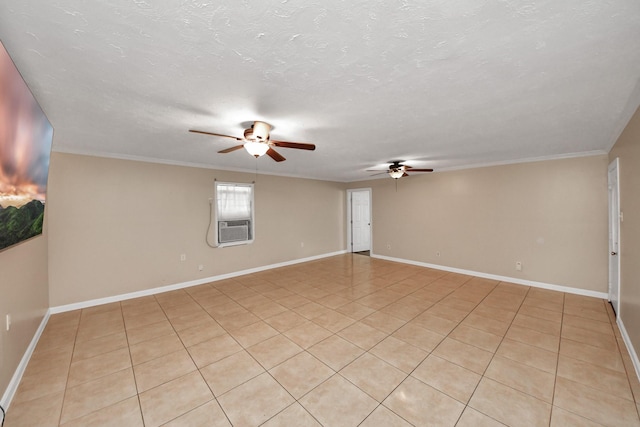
614, 253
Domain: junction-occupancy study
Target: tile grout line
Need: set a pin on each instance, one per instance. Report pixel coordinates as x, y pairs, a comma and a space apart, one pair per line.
494, 353
135, 380
66, 386
194, 362
391, 334
75, 341
555, 376
365, 352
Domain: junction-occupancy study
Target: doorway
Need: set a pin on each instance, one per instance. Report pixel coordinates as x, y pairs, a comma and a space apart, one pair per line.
359, 220
614, 235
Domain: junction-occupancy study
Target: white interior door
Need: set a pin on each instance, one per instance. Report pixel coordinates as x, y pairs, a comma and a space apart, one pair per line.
360, 221
614, 236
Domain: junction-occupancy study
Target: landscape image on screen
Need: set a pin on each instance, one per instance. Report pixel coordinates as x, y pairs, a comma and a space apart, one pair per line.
25, 147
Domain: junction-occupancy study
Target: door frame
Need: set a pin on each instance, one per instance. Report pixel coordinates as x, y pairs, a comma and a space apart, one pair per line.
349, 214
614, 219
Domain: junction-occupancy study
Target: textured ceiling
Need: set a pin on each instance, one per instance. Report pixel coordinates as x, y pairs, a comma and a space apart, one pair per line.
440, 84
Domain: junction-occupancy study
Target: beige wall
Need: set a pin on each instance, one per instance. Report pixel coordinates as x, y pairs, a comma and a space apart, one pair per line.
550, 215
627, 149
119, 226
24, 295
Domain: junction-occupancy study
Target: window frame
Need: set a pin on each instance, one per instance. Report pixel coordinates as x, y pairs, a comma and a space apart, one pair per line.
216, 214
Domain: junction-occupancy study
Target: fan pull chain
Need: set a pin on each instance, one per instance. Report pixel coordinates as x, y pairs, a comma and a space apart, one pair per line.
256, 178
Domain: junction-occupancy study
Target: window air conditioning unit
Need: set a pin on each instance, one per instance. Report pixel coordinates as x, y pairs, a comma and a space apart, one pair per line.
234, 231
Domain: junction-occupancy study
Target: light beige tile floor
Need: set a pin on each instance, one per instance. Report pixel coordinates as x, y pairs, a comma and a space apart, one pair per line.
343, 341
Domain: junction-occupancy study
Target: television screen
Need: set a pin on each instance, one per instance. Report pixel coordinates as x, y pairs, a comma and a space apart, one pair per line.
25, 147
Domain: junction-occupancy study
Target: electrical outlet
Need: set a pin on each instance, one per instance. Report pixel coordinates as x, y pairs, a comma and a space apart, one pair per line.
519, 265
201, 267
438, 253
389, 246
183, 257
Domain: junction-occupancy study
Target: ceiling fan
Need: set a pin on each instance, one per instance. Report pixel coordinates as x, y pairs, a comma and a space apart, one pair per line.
397, 170
257, 142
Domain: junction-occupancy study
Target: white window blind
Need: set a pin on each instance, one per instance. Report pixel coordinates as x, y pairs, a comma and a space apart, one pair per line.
234, 201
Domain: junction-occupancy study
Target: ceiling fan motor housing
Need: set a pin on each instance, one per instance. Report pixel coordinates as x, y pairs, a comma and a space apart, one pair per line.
260, 130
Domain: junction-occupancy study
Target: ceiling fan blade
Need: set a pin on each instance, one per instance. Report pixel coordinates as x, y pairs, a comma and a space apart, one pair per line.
275, 155
298, 145
405, 174
229, 150
215, 134
419, 170
379, 173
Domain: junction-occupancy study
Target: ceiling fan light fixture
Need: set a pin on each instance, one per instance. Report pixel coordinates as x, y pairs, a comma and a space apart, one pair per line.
396, 173
255, 148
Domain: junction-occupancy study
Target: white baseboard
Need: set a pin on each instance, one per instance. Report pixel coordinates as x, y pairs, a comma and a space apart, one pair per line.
567, 289
629, 345
11, 389
153, 291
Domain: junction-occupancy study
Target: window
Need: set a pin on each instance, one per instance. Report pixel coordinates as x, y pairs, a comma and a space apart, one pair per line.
233, 213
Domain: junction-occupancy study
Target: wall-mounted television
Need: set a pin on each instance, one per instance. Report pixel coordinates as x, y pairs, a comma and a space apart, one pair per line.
25, 148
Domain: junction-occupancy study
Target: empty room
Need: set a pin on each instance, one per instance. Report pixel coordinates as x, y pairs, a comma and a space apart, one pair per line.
319, 214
